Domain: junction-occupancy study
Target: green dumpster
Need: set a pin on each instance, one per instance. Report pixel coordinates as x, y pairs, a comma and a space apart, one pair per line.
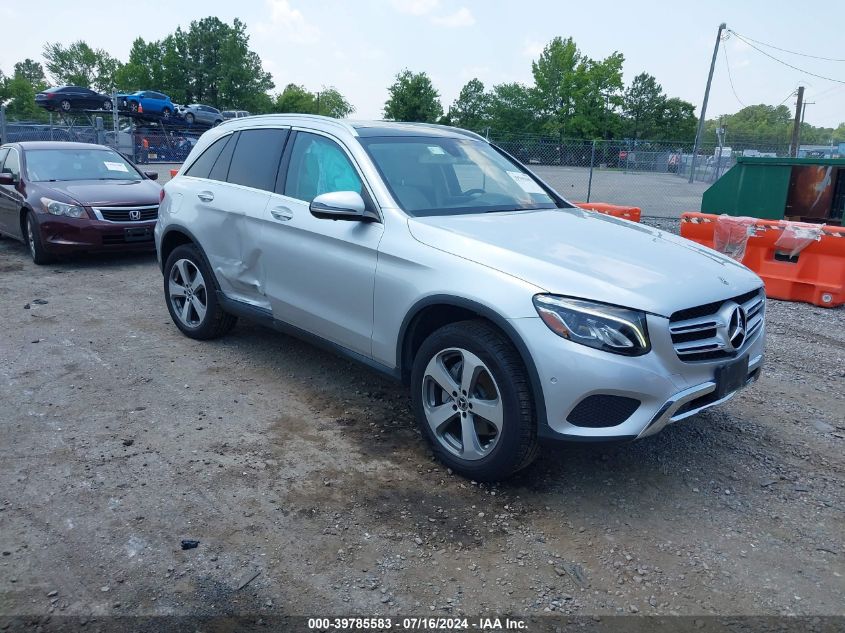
804, 189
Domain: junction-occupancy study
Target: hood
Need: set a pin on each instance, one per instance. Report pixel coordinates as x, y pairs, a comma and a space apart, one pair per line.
592, 256
93, 193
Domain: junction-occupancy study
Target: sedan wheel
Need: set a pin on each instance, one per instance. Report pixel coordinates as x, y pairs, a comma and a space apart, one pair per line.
462, 404
33, 241
107, 105
165, 114
65, 105
189, 117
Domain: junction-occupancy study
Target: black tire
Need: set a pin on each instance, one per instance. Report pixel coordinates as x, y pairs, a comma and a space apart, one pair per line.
189, 118
34, 243
65, 105
517, 445
215, 322
107, 105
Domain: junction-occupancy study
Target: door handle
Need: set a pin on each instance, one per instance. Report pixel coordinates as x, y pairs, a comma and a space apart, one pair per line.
205, 196
283, 214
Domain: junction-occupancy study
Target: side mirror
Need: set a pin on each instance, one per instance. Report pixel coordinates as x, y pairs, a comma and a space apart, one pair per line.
152, 175
339, 205
7, 179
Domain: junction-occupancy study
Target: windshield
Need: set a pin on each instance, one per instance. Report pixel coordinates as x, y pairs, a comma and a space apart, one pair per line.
448, 176
43, 165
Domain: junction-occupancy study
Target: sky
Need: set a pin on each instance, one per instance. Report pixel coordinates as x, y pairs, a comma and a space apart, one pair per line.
359, 46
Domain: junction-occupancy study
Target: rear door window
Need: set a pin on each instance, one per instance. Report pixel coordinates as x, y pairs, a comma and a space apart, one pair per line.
255, 161
201, 167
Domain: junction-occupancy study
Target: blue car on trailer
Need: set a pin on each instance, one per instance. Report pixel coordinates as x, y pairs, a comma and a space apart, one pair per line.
147, 102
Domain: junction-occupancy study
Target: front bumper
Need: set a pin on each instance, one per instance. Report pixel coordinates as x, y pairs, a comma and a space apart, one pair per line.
68, 235
667, 388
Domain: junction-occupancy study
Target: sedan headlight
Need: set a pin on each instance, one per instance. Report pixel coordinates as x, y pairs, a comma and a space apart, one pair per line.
597, 325
54, 207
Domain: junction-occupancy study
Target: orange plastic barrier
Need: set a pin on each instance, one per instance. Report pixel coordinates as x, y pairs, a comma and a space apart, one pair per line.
626, 213
815, 274
173, 173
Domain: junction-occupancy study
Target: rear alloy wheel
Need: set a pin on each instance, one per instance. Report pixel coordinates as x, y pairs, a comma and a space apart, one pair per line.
33, 241
471, 397
107, 105
189, 118
133, 106
191, 295
65, 105
165, 114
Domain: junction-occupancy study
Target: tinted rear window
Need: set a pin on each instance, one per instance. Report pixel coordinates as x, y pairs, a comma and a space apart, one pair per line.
202, 166
255, 162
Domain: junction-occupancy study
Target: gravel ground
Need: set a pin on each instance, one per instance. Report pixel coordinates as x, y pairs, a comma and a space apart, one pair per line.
310, 491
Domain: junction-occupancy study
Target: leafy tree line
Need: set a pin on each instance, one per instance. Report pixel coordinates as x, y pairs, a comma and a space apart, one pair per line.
577, 97
210, 62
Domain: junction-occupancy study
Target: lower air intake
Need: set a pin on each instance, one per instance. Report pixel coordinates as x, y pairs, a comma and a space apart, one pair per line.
600, 411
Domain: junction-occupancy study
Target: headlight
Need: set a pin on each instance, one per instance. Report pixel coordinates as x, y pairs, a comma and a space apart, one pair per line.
597, 325
54, 207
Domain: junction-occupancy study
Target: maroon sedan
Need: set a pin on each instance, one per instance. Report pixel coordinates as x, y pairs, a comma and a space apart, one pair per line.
68, 197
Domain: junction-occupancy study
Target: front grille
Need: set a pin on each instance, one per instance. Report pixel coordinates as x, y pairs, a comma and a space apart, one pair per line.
602, 410
122, 214
696, 331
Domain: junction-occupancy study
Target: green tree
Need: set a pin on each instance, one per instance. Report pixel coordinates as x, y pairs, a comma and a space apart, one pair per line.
32, 72
558, 78
413, 98
643, 106
677, 121
471, 109
145, 68
80, 65
512, 110
331, 103
18, 95
295, 99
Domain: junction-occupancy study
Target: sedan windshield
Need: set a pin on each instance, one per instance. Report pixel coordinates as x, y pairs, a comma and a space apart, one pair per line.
449, 176
44, 165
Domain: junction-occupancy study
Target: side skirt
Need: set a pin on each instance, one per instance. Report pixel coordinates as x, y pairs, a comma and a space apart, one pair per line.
265, 317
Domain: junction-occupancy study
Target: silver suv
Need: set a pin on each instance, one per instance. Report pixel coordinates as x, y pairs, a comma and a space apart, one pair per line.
434, 257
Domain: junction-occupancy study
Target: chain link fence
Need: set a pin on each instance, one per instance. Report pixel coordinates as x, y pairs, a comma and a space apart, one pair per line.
140, 139
657, 176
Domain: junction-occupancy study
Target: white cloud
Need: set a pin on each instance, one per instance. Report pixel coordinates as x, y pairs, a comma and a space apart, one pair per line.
416, 7
291, 21
532, 48
461, 17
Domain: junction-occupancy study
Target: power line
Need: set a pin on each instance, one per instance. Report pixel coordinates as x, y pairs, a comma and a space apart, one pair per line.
786, 50
791, 94
780, 61
731, 79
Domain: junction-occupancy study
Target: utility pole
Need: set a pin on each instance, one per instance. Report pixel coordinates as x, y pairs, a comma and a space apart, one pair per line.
722, 27
803, 112
796, 127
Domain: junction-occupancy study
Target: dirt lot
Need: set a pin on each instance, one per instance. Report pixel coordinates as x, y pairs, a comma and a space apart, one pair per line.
305, 474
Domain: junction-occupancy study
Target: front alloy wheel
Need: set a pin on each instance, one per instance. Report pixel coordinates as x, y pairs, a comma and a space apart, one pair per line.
462, 404
472, 399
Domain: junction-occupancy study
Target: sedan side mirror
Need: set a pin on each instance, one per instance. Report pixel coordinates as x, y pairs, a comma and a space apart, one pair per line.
7, 179
152, 175
339, 205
